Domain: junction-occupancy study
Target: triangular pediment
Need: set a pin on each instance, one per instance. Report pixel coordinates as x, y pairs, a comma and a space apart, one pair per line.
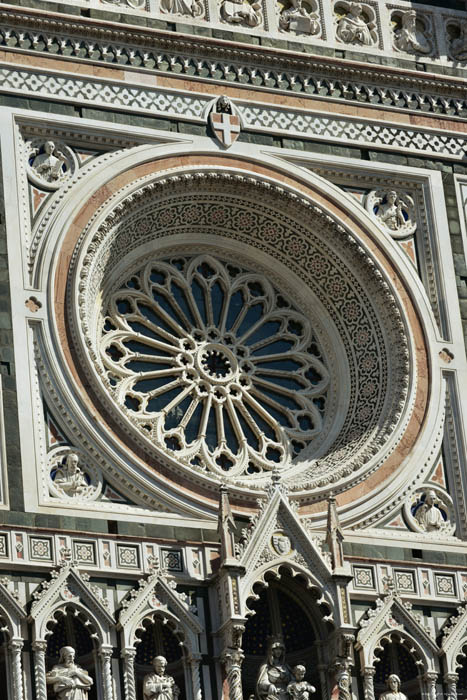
68, 587
157, 593
455, 638
276, 534
392, 615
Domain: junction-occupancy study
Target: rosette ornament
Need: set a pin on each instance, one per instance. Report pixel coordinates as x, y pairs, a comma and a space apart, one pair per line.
214, 365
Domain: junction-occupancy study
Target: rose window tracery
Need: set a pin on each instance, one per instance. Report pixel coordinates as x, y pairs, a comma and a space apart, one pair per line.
215, 364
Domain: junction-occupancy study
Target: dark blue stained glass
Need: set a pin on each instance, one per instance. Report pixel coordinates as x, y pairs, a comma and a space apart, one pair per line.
261, 423
164, 303
236, 305
157, 403
212, 439
286, 382
230, 435
283, 399
217, 301
251, 317
252, 439
276, 348
193, 425
142, 366
154, 318
284, 364
198, 296
144, 330
175, 415
180, 298
147, 385
266, 330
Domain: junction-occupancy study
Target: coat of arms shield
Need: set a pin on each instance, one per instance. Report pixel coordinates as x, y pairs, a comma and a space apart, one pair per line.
281, 544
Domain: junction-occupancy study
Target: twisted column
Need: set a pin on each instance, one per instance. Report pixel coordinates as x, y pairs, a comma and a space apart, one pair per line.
128, 656
368, 683
105, 653
450, 680
232, 659
431, 679
194, 662
343, 681
39, 648
15, 647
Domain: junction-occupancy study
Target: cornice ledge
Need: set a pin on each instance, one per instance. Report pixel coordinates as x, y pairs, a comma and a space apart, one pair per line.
329, 67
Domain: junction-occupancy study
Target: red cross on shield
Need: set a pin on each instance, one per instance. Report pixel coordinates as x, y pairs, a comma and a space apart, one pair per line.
226, 127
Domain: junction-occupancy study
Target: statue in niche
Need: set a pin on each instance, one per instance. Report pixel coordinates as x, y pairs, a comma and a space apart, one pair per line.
68, 680
190, 8
353, 28
49, 164
409, 37
428, 515
274, 676
300, 689
394, 691
70, 478
241, 12
459, 44
296, 18
158, 685
390, 213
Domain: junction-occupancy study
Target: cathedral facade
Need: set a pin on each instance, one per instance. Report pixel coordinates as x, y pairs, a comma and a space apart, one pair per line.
233, 376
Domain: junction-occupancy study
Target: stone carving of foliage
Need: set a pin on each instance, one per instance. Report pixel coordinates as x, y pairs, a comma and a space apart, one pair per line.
444, 508
211, 362
242, 12
394, 210
412, 33
300, 17
49, 163
356, 24
71, 476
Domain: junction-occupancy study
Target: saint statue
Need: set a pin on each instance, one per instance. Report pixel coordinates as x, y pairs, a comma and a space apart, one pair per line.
68, 680
241, 12
300, 689
296, 18
409, 37
394, 692
353, 28
158, 685
274, 675
190, 8
390, 213
70, 478
459, 45
48, 165
428, 515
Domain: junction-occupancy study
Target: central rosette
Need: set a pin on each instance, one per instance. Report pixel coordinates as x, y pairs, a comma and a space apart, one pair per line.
214, 365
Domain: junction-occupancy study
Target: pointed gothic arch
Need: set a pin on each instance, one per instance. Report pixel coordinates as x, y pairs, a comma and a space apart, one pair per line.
156, 599
69, 592
392, 621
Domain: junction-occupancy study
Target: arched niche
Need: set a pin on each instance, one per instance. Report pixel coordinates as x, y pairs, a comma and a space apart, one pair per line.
287, 606
159, 637
397, 655
71, 627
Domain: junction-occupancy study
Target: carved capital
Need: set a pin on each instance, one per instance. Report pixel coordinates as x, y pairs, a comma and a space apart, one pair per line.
105, 652
128, 654
232, 656
451, 677
39, 646
15, 645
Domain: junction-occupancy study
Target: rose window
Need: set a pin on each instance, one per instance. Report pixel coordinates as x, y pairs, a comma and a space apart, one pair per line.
214, 364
